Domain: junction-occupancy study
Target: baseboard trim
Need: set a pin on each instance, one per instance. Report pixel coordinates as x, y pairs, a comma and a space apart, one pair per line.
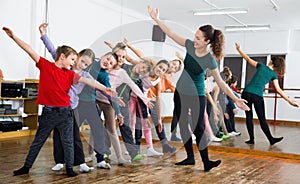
168, 119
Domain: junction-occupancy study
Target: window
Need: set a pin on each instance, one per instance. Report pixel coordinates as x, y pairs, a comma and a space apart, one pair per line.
236, 65
250, 70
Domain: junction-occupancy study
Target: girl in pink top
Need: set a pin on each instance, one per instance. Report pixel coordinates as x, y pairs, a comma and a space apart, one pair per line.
147, 82
118, 76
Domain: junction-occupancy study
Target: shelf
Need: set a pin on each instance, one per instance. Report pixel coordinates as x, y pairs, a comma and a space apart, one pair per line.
10, 115
11, 98
18, 133
18, 115
30, 108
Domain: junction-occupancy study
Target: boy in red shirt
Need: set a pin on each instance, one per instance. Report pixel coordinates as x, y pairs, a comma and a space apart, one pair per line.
55, 82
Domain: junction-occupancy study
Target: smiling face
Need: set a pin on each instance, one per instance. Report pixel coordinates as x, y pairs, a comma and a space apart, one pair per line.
68, 62
199, 40
174, 66
141, 68
82, 63
160, 69
121, 53
108, 62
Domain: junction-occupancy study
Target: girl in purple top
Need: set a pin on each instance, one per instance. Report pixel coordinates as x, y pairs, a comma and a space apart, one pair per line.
84, 60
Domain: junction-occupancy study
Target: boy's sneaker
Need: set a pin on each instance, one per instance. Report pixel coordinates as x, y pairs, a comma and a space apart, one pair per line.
139, 157
85, 168
57, 167
103, 165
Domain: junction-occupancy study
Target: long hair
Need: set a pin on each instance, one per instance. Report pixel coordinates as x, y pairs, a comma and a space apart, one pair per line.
278, 65
217, 40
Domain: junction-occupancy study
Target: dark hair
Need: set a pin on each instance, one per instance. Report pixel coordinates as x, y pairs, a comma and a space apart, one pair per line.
232, 80
278, 65
225, 74
66, 50
163, 61
216, 38
180, 64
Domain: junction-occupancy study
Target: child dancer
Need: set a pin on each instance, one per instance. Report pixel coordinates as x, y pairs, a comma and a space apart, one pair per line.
146, 83
55, 82
85, 59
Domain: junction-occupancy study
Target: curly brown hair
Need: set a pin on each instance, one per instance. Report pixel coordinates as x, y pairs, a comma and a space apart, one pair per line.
278, 65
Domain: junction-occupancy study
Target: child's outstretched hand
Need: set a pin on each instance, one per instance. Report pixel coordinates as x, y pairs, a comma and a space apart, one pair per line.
8, 31
150, 105
125, 41
42, 28
108, 44
110, 92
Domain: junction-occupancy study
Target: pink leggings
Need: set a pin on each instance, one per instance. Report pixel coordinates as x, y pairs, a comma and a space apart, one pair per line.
207, 125
133, 106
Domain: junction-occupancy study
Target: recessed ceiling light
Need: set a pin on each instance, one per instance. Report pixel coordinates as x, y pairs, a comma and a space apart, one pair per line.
221, 11
247, 28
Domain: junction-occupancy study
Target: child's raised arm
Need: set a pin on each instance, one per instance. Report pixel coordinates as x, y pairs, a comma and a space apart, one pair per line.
22, 44
47, 42
139, 54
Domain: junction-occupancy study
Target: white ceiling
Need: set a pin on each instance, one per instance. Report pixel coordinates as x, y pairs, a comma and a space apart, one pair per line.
286, 17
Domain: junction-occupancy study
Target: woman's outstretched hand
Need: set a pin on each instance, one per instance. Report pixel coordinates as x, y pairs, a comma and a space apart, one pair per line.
241, 103
153, 13
8, 31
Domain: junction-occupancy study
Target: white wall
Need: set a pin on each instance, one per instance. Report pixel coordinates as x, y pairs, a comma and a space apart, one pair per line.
87, 23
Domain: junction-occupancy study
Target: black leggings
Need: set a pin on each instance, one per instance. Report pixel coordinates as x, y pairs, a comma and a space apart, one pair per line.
259, 106
197, 105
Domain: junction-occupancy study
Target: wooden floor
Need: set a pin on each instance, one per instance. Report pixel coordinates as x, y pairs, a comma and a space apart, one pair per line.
240, 163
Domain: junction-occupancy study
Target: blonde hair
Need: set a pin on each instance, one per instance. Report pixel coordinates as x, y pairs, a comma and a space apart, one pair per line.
149, 68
